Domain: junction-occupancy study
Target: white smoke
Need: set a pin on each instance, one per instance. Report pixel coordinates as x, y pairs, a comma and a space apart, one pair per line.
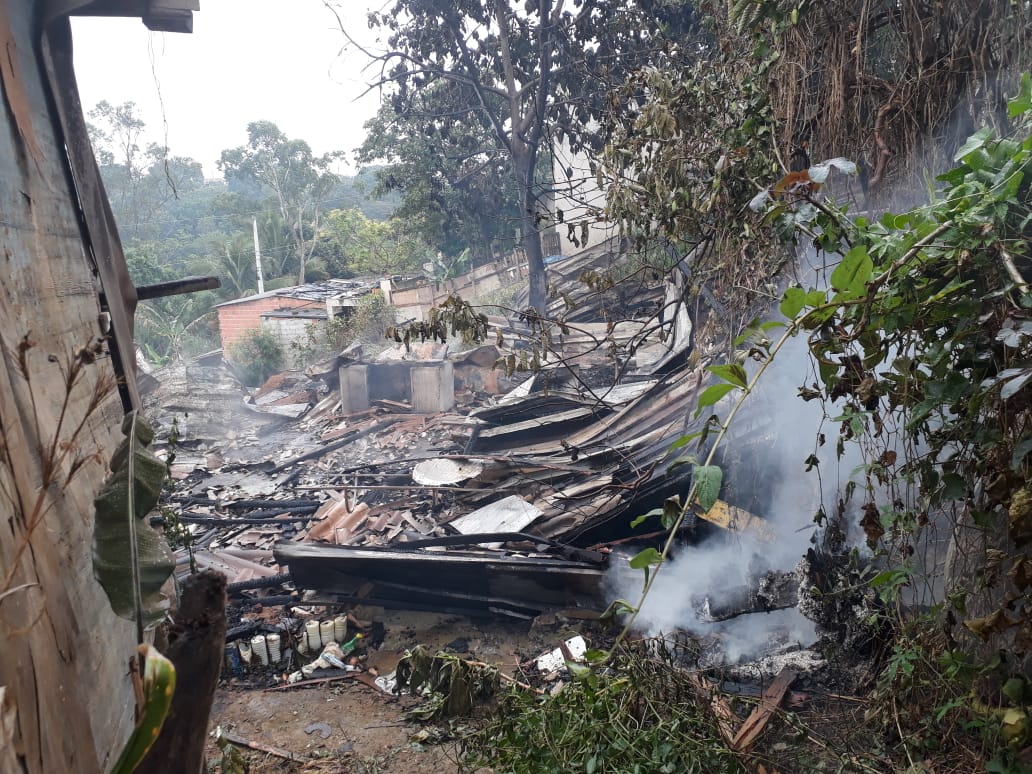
780, 436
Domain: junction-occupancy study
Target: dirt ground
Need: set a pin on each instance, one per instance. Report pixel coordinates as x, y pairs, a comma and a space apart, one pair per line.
365, 730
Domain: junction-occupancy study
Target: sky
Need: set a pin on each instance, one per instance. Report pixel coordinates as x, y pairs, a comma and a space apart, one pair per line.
247, 60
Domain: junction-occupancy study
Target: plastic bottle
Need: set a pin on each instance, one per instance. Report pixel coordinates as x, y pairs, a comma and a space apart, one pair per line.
350, 645
340, 628
326, 632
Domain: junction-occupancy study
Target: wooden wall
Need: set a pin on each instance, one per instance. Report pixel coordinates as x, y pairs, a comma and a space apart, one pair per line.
67, 702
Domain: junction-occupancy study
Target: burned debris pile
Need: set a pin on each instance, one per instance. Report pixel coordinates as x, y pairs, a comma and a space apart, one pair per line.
437, 477
430, 477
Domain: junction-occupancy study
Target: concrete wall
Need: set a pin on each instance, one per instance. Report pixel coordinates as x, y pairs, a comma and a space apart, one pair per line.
413, 298
291, 330
577, 196
429, 385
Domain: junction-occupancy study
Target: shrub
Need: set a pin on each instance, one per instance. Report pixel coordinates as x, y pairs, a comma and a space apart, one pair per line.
368, 321
256, 356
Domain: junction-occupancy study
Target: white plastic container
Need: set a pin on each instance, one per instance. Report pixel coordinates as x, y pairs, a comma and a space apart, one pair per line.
312, 637
245, 651
272, 642
260, 648
340, 629
326, 632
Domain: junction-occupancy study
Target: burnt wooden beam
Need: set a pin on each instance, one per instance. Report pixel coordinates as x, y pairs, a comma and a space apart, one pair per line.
484, 582
177, 287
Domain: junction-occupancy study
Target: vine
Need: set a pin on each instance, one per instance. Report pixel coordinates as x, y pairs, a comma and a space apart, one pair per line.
923, 342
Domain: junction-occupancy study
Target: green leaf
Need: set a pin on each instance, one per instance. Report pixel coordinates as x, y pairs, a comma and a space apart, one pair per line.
578, 671
639, 520
816, 297
645, 559
596, 656
817, 317
1014, 689
708, 479
711, 395
953, 487
1022, 103
671, 511
616, 607
854, 271
159, 683
684, 440
733, 373
974, 143
1020, 452
883, 578
792, 302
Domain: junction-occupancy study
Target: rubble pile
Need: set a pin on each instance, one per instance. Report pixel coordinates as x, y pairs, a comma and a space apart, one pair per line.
440, 479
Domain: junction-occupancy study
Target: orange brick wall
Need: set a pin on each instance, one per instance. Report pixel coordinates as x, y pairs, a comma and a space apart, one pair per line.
236, 319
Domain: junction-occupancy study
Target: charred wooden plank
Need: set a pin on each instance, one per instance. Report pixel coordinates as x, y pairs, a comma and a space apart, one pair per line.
479, 581
195, 646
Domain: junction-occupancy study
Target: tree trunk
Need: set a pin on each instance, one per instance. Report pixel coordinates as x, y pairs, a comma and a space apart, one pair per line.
530, 238
530, 241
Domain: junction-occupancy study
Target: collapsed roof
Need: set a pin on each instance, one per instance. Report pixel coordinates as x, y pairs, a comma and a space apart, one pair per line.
500, 486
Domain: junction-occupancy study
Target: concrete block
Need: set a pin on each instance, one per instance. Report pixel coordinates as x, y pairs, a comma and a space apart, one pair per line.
354, 388
433, 388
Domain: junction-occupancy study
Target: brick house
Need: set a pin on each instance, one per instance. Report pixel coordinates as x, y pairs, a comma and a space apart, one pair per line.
287, 312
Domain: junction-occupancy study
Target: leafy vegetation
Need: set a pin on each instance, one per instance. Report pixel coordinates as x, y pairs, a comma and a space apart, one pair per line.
256, 356
365, 325
921, 354
285, 170
643, 717
354, 244
497, 86
174, 223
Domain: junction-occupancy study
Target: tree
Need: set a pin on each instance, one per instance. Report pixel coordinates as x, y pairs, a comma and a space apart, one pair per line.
453, 192
232, 260
173, 327
353, 243
297, 180
140, 180
523, 71
116, 136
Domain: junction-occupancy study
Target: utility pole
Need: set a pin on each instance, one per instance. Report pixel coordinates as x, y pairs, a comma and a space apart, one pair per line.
257, 256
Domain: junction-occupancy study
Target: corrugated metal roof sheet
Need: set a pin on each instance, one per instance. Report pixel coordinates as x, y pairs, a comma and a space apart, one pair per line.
314, 291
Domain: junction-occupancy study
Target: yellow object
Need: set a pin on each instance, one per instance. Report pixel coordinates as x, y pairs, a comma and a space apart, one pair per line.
1014, 726
736, 520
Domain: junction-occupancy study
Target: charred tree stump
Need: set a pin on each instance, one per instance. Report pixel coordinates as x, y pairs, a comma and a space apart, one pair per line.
195, 646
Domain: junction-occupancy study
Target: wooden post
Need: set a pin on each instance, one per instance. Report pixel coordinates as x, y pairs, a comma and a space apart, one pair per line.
195, 646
